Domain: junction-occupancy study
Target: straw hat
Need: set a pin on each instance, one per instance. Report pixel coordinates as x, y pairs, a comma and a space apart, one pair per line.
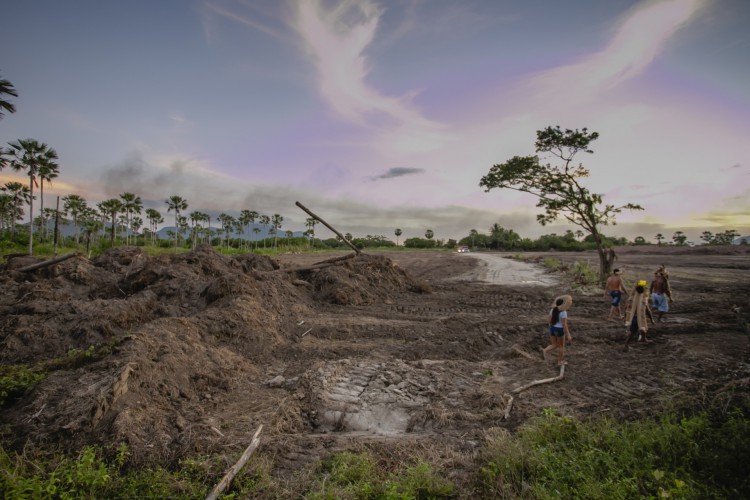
567, 301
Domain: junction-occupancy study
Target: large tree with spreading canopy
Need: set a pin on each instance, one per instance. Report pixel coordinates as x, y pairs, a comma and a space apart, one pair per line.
558, 188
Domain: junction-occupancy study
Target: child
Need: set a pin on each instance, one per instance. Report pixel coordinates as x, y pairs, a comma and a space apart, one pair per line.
558, 328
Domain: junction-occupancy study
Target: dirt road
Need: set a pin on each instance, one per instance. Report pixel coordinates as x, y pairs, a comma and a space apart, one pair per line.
499, 269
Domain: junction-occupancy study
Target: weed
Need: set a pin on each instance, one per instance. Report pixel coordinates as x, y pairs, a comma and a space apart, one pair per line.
16, 380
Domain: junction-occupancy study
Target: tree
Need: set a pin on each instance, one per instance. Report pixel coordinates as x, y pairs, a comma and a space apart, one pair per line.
30, 156
111, 207
248, 217
176, 203
47, 172
73, 205
679, 238
559, 189
398, 233
659, 238
19, 195
276, 221
708, 237
154, 219
6, 88
264, 220
131, 204
310, 223
639, 240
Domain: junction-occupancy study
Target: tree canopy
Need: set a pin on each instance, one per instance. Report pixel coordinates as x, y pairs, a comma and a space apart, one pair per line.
558, 188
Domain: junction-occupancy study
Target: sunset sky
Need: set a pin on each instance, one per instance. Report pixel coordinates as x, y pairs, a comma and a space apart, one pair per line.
386, 114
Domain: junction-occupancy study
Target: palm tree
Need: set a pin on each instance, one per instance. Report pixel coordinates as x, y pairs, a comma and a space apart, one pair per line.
30, 156
19, 196
131, 204
74, 205
659, 238
47, 172
6, 88
247, 217
276, 225
265, 220
310, 223
398, 233
154, 219
256, 230
7, 210
176, 203
112, 207
227, 223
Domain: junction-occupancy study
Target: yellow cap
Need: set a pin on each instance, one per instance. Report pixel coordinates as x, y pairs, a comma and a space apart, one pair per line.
642, 283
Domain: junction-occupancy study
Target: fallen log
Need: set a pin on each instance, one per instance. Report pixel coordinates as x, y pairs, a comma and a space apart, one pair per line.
47, 263
529, 385
328, 226
539, 382
227, 479
320, 265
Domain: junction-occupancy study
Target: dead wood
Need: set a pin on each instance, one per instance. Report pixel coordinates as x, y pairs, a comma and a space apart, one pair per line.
227, 479
529, 385
48, 263
328, 226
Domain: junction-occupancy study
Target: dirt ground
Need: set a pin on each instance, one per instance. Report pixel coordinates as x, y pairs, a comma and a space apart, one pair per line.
191, 353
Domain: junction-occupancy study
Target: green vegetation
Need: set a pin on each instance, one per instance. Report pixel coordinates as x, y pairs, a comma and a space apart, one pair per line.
558, 189
15, 380
557, 457
699, 456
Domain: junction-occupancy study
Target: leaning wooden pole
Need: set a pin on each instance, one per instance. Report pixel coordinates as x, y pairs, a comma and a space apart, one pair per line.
224, 483
328, 226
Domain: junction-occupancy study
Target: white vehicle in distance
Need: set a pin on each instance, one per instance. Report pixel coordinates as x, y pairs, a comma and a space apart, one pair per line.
462, 249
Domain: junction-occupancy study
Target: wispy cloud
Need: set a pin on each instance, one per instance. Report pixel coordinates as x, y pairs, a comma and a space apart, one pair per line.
638, 40
336, 39
397, 172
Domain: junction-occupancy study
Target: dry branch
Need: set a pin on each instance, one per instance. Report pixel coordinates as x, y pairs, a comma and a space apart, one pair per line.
538, 382
227, 479
328, 226
47, 263
531, 384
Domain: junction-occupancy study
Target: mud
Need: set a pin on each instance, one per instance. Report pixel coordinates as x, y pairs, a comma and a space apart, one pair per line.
191, 353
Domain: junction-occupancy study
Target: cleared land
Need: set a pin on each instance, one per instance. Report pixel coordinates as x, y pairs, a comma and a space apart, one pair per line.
191, 353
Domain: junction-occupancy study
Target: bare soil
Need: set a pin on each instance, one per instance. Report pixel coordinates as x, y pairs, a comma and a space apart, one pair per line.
329, 351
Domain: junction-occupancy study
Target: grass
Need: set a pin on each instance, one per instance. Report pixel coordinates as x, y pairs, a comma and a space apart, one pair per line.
698, 456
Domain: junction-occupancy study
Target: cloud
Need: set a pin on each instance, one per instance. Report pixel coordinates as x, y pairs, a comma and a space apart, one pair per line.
397, 172
336, 39
638, 40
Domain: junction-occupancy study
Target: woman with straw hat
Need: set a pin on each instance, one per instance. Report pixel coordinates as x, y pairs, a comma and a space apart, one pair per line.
636, 319
558, 328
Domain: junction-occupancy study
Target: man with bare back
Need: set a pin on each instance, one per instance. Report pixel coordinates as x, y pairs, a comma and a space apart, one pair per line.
614, 289
661, 293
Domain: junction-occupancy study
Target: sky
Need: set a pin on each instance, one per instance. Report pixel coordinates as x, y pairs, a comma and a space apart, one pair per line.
379, 115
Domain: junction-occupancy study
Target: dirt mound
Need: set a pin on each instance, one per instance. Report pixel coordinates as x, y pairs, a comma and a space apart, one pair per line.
149, 350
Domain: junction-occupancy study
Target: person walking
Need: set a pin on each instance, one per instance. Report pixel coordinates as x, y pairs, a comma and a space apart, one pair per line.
614, 288
636, 319
559, 331
661, 292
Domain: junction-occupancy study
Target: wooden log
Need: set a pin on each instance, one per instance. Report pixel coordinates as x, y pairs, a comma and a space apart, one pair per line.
320, 265
543, 381
48, 263
235, 469
328, 226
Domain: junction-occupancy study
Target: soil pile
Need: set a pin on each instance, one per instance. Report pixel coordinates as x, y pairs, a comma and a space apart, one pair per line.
144, 350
